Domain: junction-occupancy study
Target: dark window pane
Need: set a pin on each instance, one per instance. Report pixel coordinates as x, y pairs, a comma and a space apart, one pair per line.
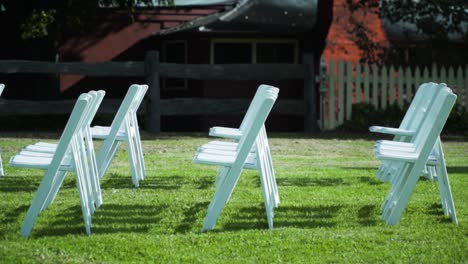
275, 53
232, 53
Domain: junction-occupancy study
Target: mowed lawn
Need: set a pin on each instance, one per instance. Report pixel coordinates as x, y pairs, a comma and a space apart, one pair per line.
329, 211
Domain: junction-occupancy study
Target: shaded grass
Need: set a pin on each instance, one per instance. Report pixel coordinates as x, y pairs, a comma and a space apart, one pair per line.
329, 211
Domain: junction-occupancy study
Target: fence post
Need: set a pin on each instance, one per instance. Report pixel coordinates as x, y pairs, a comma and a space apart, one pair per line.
310, 94
154, 92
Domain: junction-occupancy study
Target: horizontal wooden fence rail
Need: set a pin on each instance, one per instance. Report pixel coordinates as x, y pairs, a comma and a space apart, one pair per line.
169, 107
235, 72
78, 68
170, 70
152, 70
347, 83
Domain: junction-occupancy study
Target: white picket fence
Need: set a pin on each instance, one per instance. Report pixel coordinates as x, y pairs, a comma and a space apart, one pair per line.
343, 84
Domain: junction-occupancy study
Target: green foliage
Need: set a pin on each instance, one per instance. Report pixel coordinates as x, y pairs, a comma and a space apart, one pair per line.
436, 20
37, 23
329, 211
55, 19
457, 122
365, 115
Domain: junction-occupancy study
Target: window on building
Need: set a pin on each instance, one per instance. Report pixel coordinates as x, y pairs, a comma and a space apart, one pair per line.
276, 52
224, 51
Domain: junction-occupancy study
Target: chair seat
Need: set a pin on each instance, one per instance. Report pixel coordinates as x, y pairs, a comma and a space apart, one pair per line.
394, 150
221, 145
213, 156
42, 147
102, 132
37, 160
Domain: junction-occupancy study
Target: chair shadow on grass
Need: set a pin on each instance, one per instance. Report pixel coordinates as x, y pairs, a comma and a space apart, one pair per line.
14, 183
370, 180
285, 216
114, 181
366, 215
11, 216
190, 217
17, 183
457, 169
436, 210
108, 219
175, 182
323, 182
303, 217
308, 182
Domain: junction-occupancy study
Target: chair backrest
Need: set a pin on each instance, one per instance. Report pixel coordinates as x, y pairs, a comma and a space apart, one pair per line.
248, 114
130, 104
259, 113
2, 86
99, 96
425, 96
74, 123
434, 121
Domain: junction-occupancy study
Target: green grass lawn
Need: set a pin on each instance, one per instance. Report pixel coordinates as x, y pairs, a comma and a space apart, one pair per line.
329, 211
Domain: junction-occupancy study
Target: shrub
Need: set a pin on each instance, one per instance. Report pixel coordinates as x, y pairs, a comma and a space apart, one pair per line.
365, 115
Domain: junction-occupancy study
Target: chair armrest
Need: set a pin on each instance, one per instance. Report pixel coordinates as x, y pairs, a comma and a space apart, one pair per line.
391, 130
225, 132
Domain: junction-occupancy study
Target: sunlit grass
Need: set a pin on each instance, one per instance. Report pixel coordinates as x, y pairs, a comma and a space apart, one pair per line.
329, 211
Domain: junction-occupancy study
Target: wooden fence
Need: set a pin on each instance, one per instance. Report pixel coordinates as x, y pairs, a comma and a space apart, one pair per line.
343, 84
152, 70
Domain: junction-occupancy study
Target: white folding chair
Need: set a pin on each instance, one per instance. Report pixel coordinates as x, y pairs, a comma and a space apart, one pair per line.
48, 149
232, 161
424, 150
71, 154
2, 173
124, 127
414, 117
236, 133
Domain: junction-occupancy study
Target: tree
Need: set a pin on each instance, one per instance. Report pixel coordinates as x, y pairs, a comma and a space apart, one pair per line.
436, 22
36, 29
52, 20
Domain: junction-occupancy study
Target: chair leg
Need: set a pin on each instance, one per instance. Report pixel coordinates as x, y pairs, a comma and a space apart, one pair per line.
444, 185
405, 192
93, 169
221, 196
2, 173
269, 164
105, 163
133, 163
268, 191
37, 203
139, 149
86, 210
132, 154
58, 180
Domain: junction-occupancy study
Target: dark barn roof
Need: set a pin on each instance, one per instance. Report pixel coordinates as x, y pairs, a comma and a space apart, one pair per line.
270, 16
